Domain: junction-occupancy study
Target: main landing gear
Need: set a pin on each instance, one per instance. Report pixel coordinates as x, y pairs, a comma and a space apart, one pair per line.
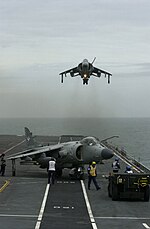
77, 173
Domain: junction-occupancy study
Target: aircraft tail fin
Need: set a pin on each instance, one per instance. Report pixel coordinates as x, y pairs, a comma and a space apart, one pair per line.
30, 140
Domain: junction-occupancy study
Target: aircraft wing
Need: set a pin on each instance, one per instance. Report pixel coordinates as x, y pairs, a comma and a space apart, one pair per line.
74, 70
97, 71
37, 151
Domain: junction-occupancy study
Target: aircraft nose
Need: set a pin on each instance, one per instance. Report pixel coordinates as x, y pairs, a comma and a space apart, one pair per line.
107, 154
85, 65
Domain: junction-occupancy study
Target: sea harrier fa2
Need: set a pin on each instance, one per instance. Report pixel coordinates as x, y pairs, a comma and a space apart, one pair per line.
85, 70
72, 154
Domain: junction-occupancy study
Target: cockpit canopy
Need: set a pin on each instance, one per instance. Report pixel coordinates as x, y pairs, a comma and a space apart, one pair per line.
89, 141
85, 60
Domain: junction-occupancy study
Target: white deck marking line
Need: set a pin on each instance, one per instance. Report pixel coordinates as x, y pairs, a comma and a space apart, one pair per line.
94, 226
38, 223
13, 146
24, 216
88, 206
122, 217
64, 207
145, 225
65, 182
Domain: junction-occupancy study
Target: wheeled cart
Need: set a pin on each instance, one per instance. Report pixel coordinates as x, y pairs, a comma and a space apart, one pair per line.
129, 186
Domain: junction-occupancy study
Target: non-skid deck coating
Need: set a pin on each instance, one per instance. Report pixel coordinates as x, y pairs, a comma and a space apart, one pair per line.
20, 202
65, 207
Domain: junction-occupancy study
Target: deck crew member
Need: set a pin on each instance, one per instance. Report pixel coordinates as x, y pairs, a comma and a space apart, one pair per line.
92, 173
128, 169
3, 164
51, 170
116, 165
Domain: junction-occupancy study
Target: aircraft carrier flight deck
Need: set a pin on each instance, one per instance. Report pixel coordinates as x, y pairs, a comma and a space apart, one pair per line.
28, 202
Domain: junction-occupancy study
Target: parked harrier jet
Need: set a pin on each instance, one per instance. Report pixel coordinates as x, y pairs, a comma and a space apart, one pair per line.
85, 70
72, 154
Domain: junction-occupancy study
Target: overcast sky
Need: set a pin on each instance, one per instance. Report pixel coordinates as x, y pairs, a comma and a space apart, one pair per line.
41, 38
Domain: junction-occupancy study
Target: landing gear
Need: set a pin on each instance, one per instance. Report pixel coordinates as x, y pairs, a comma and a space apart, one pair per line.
77, 173
85, 81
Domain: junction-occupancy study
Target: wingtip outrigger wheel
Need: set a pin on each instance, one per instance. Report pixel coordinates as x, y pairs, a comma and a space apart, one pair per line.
108, 79
62, 78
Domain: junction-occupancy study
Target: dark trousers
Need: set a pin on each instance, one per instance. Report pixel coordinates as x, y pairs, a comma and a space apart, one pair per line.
51, 176
91, 178
2, 171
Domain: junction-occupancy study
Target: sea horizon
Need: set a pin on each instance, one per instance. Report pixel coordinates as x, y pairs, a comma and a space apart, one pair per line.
134, 133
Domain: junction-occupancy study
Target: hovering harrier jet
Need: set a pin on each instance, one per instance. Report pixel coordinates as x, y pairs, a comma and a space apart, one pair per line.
85, 70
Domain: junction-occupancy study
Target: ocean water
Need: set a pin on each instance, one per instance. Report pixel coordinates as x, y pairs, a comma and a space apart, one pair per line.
134, 133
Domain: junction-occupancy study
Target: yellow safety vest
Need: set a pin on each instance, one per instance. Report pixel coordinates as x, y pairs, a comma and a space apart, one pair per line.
92, 171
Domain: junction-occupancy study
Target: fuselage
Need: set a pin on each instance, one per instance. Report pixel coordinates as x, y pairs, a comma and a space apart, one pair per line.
77, 153
85, 69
